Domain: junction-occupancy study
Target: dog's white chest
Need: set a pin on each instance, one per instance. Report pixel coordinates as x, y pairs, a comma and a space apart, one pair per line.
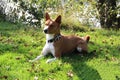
49, 47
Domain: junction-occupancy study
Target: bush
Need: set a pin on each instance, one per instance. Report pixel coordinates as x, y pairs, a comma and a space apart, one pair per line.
72, 24
32, 11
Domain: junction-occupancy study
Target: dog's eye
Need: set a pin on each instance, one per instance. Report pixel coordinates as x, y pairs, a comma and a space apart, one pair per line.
51, 25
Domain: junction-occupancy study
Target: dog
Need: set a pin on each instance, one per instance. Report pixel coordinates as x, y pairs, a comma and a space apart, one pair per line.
58, 44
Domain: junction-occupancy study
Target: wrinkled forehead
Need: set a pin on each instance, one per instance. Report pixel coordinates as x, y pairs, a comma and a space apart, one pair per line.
48, 22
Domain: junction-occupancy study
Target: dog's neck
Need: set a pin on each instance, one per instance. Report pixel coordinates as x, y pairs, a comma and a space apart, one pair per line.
49, 36
52, 38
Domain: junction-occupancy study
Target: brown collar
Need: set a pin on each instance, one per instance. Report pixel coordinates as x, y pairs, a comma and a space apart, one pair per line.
56, 38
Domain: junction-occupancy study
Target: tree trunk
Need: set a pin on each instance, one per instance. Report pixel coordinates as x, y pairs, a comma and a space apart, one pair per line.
108, 15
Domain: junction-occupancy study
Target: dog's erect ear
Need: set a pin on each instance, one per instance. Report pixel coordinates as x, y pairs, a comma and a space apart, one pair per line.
47, 16
58, 19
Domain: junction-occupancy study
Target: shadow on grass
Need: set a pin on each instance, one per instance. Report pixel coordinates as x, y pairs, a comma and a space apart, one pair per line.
80, 68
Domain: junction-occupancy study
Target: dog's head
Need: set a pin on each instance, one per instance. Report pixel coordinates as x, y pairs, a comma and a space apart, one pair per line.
52, 27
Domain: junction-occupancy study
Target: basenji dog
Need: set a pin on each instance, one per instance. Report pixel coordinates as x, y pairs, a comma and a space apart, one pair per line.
58, 44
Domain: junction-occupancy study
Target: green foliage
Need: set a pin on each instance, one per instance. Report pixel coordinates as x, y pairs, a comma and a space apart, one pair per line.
109, 13
87, 12
18, 45
32, 11
71, 23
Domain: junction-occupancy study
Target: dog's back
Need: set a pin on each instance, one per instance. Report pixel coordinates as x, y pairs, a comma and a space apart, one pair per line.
68, 44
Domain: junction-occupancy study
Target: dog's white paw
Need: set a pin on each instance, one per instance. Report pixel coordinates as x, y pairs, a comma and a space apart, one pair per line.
50, 60
31, 61
37, 58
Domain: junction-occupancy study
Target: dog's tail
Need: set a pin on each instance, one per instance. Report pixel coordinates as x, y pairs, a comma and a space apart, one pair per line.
87, 38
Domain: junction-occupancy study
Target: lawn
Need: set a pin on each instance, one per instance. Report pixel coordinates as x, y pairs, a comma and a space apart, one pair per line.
20, 43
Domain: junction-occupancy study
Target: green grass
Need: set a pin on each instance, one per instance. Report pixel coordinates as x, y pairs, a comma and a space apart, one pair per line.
20, 43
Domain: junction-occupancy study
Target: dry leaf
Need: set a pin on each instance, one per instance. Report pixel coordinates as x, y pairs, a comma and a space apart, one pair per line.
35, 78
70, 74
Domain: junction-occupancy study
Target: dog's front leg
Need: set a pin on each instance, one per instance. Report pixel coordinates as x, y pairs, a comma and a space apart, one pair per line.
43, 53
37, 58
53, 53
56, 56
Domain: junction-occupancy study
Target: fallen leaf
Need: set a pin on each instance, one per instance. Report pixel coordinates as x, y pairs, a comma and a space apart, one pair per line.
35, 78
104, 41
5, 77
17, 58
60, 64
113, 59
101, 49
70, 74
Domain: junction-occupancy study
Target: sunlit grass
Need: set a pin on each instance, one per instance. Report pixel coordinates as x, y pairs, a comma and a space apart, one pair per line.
19, 44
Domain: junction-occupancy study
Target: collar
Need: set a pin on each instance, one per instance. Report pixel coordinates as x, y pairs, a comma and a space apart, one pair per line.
56, 38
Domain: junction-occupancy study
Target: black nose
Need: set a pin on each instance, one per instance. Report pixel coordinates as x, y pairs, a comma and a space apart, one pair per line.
45, 31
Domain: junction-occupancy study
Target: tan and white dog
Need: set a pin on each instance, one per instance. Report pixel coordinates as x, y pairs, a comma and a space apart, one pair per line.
58, 44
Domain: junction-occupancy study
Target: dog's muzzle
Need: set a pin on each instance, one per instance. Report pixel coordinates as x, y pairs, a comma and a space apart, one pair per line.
46, 31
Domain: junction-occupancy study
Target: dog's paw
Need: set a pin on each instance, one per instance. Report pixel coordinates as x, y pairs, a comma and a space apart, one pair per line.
50, 60
31, 61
